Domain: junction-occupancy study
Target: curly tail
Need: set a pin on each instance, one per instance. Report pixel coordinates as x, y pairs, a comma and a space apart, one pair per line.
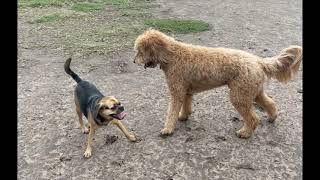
70, 72
284, 66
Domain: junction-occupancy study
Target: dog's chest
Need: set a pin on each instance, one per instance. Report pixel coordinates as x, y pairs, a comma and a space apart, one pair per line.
104, 123
101, 121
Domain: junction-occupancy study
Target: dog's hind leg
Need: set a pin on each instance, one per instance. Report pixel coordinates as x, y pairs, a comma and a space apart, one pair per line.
268, 105
84, 129
186, 109
243, 102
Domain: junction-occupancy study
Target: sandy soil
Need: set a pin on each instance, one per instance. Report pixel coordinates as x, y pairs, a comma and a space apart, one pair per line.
50, 144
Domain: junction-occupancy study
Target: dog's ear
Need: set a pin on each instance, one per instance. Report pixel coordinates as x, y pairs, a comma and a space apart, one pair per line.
98, 106
95, 112
153, 46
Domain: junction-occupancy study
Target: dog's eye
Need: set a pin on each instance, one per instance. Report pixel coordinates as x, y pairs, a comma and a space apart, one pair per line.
105, 107
113, 108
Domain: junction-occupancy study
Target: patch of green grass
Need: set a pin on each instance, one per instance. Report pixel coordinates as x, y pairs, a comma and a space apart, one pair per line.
118, 2
42, 3
49, 18
178, 25
131, 8
87, 7
135, 13
126, 3
104, 39
92, 35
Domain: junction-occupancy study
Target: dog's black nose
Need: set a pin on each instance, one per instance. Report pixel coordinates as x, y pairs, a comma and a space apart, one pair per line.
121, 108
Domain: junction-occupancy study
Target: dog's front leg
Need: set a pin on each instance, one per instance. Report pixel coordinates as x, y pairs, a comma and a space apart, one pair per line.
92, 130
124, 130
173, 113
88, 151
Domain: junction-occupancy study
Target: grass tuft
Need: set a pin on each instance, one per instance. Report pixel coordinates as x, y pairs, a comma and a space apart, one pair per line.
87, 7
178, 25
41, 3
49, 18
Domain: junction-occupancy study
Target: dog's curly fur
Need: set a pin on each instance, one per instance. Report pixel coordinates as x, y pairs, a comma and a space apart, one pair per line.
190, 69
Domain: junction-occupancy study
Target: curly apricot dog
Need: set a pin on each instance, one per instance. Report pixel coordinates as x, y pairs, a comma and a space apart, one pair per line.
190, 69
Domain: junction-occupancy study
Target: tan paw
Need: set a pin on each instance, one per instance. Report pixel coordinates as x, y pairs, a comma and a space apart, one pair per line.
182, 117
85, 130
166, 131
132, 138
272, 119
87, 153
242, 133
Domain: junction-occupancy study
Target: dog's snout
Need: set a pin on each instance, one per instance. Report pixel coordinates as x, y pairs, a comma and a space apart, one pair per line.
135, 58
121, 108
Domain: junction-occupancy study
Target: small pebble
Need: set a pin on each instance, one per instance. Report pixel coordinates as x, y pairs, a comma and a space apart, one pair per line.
190, 138
63, 158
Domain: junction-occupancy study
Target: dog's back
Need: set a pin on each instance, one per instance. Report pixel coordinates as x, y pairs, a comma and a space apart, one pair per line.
85, 92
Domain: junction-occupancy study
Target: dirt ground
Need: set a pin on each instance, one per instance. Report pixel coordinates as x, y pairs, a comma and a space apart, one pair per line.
51, 146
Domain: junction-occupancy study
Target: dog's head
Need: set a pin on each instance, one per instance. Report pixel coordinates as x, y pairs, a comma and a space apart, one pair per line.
151, 49
111, 108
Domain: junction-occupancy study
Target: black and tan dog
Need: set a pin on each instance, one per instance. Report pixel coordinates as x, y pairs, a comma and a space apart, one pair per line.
97, 108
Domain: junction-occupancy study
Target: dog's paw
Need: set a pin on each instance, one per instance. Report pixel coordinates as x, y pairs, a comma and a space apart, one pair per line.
272, 119
166, 132
182, 117
87, 153
133, 138
85, 130
244, 134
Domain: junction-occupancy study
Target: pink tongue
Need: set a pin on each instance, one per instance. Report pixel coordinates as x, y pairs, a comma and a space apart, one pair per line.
121, 115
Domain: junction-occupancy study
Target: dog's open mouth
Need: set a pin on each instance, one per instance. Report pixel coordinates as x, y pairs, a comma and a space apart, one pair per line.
119, 116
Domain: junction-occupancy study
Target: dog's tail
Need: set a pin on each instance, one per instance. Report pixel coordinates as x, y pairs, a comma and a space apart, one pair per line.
70, 72
284, 66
